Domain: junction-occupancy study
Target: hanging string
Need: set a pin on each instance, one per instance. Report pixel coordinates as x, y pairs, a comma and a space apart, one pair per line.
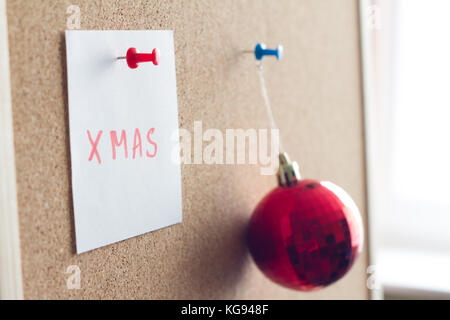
259, 68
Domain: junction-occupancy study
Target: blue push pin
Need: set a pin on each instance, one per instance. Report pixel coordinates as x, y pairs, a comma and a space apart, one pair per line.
261, 51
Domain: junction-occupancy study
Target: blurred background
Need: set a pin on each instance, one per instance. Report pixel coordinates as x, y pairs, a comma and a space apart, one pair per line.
406, 60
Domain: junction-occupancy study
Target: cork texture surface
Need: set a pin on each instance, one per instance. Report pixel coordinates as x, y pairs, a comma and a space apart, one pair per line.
316, 96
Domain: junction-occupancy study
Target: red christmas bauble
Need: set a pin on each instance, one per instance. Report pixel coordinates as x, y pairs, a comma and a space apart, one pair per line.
305, 236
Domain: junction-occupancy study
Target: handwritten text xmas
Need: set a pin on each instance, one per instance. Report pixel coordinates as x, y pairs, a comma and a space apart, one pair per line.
122, 142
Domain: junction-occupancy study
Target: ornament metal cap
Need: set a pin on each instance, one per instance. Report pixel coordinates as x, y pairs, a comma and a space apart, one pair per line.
288, 172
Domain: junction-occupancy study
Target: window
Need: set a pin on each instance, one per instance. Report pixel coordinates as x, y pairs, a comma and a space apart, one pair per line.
406, 56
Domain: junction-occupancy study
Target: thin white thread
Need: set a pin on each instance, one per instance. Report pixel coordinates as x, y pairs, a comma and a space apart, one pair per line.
259, 68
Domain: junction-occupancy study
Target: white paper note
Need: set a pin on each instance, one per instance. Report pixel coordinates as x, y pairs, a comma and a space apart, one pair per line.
122, 127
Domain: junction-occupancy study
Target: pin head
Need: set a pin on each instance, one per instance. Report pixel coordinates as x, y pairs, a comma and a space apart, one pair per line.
134, 57
261, 51
156, 56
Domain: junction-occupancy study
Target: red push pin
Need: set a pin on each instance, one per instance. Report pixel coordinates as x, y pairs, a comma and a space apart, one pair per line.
134, 57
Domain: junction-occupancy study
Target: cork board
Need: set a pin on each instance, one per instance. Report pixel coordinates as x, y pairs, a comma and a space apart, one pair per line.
317, 101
